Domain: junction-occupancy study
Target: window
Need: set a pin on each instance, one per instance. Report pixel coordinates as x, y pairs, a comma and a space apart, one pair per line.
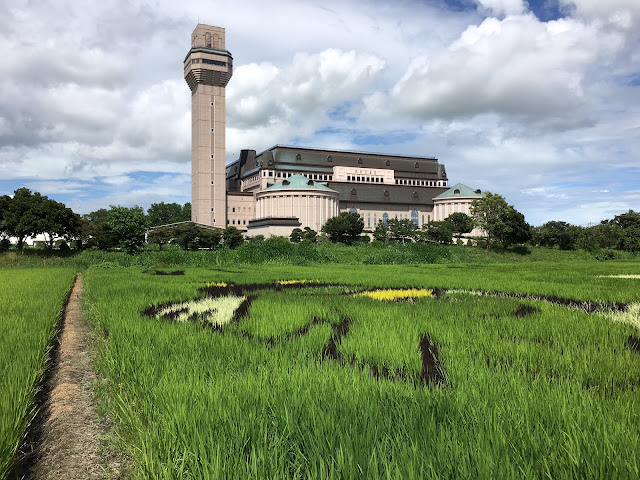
212, 155
353, 210
385, 218
422, 219
414, 217
214, 62
233, 209
375, 219
368, 220
353, 191
359, 161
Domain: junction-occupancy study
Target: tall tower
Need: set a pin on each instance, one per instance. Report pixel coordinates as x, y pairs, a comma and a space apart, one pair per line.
207, 69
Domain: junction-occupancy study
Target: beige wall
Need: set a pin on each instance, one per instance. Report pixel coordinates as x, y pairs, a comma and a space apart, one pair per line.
312, 208
446, 206
372, 213
240, 209
363, 175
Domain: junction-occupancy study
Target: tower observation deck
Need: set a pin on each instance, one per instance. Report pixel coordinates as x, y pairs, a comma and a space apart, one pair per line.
207, 69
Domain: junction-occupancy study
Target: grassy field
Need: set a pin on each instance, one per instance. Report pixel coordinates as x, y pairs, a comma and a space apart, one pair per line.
30, 307
288, 372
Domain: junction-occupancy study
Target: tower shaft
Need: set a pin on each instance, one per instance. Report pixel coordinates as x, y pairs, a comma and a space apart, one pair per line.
207, 69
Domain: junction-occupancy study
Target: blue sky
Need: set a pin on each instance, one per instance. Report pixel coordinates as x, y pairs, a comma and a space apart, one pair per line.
538, 101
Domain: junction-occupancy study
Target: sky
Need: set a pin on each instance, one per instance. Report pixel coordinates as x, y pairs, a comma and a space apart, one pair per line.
537, 101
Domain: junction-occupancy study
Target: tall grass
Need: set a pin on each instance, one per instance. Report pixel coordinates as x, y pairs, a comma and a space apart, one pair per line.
30, 310
550, 394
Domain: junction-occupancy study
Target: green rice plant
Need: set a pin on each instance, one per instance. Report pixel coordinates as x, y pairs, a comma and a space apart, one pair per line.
30, 310
297, 387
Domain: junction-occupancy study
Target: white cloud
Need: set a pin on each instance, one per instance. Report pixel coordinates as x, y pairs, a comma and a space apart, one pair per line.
267, 104
503, 7
530, 71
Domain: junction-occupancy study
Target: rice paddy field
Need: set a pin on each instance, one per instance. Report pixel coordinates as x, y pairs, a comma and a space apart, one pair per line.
353, 371
31, 302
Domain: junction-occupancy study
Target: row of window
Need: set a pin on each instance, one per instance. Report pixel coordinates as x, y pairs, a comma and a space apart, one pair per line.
420, 183
398, 216
233, 222
356, 178
207, 61
310, 176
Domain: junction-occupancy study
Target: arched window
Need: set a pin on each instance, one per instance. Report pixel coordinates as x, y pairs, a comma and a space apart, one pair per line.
359, 161
207, 39
385, 218
353, 191
456, 192
353, 210
414, 217
216, 41
298, 157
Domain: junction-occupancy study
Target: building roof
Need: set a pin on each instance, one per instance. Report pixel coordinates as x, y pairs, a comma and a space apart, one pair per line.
460, 190
298, 182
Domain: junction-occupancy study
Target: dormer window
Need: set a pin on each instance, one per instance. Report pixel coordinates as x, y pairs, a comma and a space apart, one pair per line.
478, 191
329, 158
387, 163
298, 157
456, 192
353, 191
359, 161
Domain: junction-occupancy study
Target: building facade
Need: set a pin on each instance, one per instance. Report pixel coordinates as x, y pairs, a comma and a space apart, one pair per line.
254, 193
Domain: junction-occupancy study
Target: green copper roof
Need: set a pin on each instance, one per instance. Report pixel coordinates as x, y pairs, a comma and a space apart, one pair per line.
298, 182
460, 190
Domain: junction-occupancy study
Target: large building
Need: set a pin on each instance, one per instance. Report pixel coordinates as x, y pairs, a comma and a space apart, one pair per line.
286, 187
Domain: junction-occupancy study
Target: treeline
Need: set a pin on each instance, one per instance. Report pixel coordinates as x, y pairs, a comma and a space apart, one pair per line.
27, 214
500, 225
620, 233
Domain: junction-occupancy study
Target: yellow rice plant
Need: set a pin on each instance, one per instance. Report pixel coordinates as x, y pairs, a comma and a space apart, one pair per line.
396, 294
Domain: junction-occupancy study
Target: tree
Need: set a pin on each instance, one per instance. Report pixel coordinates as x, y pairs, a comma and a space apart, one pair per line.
440, 232
160, 236
209, 239
560, 234
381, 233
5, 201
629, 225
296, 235
309, 235
461, 223
344, 228
22, 218
499, 220
232, 237
96, 232
166, 213
56, 220
186, 235
401, 229
129, 225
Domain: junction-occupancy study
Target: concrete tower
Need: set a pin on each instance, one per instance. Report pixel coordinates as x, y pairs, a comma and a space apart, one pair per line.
207, 69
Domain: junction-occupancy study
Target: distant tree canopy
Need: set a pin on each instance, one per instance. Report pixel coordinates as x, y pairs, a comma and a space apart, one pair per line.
345, 228
500, 221
461, 223
167, 213
402, 230
28, 214
129, 225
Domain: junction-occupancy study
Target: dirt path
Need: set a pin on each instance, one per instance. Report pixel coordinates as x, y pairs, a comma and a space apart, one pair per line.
70, 445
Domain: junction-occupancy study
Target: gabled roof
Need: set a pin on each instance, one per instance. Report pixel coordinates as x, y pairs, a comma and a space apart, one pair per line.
298, 182
460, 190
